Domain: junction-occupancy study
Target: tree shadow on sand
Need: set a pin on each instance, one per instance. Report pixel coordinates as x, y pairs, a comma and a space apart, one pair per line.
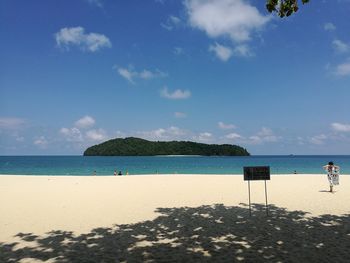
215, 233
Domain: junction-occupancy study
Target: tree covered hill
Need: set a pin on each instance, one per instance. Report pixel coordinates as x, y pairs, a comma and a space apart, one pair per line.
139, 147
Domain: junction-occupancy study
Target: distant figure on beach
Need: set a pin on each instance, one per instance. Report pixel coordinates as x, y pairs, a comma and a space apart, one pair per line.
120, 173
295, 171
115, 172
332, 174
94, 172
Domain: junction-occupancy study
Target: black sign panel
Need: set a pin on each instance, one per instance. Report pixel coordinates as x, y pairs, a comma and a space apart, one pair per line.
256, 173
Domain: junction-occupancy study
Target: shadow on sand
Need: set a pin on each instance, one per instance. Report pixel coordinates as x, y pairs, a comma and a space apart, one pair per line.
215, 233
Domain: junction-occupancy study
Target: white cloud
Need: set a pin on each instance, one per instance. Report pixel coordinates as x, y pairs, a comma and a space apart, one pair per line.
233, 136
130, 74
175, 95
180, 115
175, 20
76, 135
127, 74
242, 51
224, 126
171, 133
178, 50
340, 127
72, 134
236, 19
329, 27
76, 36
255, 139
259, 139
166, 26
203, 137
340, 46
11, 123
176, 131
95, 2
171, 23
147, 74
343, 70
265, 135
271, 138
300, 140
119, 134
85, 122
96, 135
222, 52
318, 139
41, 142
265, 132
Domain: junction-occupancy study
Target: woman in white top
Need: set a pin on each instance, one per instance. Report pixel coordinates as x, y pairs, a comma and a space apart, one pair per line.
332, 174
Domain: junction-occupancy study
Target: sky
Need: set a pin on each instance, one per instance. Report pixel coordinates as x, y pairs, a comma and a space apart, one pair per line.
77, 73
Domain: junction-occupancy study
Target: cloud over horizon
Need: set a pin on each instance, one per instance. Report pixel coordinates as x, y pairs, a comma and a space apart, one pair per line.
85, 122
340, 127
11, 123
166, 134
225, 126
96, 135
318, 139
234, 136
77, 134
41, 142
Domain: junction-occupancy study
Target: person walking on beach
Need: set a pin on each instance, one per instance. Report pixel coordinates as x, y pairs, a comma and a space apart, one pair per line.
332, 174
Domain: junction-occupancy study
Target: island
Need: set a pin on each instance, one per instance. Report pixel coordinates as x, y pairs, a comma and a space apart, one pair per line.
132, 146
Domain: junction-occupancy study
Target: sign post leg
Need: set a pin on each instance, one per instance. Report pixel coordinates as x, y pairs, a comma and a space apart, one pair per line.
267, 208
250, 211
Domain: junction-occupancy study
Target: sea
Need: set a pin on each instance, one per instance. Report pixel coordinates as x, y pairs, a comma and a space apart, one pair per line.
103, 166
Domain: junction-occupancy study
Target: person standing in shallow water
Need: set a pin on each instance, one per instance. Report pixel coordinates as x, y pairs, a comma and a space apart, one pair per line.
332, 174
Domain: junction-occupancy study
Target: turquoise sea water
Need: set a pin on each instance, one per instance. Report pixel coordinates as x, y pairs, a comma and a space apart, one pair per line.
86, 165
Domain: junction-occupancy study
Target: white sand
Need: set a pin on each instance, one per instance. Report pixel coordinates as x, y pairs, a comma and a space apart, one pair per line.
39, 204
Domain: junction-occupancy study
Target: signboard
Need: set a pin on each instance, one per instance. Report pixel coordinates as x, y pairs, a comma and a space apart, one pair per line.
254, 173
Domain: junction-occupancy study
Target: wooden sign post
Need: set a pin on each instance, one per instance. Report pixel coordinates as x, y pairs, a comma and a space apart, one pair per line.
255, 173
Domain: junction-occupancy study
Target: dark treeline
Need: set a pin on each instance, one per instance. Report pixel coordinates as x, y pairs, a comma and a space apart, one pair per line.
139, 147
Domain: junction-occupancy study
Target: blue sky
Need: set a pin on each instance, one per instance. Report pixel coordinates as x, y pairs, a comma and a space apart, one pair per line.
76, 73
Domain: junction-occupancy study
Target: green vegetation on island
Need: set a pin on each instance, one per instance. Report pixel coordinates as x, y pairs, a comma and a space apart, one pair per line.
139, 147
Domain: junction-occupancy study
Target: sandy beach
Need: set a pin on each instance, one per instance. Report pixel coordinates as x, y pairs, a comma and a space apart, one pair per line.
173, 218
